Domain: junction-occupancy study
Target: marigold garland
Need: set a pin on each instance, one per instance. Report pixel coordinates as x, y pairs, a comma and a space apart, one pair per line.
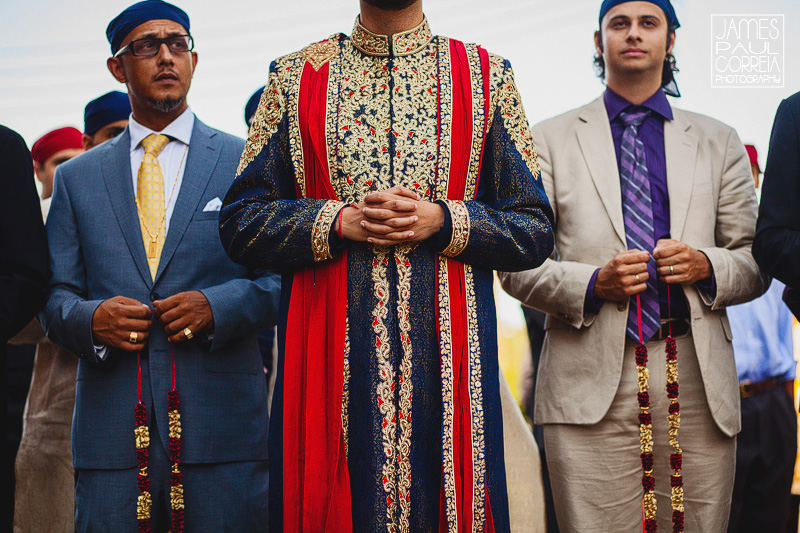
649, 503
142, 434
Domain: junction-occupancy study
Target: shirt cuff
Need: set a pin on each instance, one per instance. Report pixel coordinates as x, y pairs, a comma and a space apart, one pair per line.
442, 239
708, 286
591, 306
101, 351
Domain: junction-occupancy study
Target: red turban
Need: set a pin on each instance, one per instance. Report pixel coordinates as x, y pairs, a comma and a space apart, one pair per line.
51, 143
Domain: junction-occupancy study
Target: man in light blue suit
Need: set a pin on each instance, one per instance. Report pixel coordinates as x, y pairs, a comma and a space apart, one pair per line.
143, 292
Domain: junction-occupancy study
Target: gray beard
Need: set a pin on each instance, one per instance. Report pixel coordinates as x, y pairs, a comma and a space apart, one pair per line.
166, 106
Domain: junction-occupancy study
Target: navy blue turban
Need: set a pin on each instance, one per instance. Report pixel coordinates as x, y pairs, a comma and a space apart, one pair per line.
665, 5
140, 13
252, 105
104, 110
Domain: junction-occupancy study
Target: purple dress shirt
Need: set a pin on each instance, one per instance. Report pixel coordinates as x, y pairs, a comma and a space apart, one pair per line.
651, 132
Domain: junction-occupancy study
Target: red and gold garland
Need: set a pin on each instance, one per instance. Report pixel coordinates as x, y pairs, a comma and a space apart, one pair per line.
142, 433
649, 503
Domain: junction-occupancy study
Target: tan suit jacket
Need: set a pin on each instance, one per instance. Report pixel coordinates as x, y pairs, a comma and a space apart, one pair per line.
712, 208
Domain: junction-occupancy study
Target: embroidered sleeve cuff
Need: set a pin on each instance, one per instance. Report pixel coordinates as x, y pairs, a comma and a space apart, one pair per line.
320, 234
459, 217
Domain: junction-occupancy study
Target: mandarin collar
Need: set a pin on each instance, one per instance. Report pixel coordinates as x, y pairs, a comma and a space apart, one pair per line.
658, 103
399, 44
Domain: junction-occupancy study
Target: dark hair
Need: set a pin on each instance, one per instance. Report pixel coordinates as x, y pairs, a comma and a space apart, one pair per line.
670, 64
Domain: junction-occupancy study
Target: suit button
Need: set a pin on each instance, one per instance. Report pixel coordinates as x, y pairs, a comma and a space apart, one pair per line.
621, 306
154, 296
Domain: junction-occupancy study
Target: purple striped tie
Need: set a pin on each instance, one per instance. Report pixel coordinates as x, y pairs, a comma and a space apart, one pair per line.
637, 208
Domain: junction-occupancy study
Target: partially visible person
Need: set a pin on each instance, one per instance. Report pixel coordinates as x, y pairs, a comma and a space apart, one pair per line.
49, 151
251, 106
777, 243
105, 117
23, 273
45, 491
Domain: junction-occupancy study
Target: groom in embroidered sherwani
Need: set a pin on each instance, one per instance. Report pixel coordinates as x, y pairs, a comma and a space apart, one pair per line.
388, 174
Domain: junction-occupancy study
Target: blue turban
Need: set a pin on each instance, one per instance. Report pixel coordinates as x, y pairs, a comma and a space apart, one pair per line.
104, 110
139, 13
252, 105
665, 5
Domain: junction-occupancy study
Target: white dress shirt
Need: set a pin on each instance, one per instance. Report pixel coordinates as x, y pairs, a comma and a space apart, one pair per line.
179, 132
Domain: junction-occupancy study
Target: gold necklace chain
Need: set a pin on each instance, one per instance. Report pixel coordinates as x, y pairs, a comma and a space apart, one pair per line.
154, 238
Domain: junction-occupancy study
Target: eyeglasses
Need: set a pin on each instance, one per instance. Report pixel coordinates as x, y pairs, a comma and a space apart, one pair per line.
150, 46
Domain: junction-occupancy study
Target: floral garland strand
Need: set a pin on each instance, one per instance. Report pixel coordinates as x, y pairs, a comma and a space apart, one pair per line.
649, 503
175, 477
142, 438
674, 421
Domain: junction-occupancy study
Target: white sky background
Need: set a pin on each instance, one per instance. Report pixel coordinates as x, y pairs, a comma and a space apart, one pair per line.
53, 54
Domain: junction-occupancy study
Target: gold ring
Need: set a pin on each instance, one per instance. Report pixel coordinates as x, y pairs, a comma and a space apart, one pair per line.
636, 277
671, 270
188, 333
133, 337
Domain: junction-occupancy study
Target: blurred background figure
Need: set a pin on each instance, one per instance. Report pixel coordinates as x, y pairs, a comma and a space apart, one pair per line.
49, 151
767, 445
23, 279
45, 487
105, 117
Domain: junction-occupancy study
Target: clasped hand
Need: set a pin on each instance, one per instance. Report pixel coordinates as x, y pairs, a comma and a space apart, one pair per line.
392, 216
116, 320
626, 274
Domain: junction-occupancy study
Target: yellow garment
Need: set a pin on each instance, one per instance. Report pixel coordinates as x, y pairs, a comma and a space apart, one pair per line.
152, 210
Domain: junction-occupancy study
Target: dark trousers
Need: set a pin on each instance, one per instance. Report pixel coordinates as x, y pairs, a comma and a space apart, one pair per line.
218, 496
765, 455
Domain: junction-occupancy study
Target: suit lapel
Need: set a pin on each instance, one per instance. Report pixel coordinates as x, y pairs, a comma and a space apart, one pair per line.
200, 163
597, 146
119, 185
680, 145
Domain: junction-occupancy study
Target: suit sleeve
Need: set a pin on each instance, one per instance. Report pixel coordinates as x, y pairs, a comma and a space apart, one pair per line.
557, 287
508, 226
67, 317
264, 223
737, 275
23, 247
777, 242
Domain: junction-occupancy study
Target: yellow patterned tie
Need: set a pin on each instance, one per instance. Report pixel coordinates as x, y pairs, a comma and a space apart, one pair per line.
150, 184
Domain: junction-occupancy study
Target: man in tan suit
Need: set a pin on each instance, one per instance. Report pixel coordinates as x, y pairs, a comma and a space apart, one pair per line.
651, 204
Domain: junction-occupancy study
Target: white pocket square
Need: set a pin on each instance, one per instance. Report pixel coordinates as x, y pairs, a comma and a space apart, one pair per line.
213, 205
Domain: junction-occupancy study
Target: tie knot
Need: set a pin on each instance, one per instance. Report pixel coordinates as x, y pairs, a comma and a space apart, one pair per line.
154, 143
634, 116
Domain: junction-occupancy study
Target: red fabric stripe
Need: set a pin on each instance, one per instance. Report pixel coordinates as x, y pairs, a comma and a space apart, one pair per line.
316, 483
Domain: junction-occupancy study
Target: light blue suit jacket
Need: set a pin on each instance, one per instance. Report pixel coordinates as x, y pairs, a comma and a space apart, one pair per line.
96, 253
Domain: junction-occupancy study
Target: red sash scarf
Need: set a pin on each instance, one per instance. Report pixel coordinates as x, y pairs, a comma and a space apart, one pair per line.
316, 484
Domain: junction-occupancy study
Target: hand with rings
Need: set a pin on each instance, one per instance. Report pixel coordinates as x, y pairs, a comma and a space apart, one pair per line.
623, 276
677, 262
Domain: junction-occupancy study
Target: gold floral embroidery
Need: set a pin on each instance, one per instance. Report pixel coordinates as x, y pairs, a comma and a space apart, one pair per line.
320, 233
386, 383
459, 215
270, 110
445, 116
446, 354
476, 406
516, 122
478, 120
364, 125
410, 41
317, 54
401, 44
406, 388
